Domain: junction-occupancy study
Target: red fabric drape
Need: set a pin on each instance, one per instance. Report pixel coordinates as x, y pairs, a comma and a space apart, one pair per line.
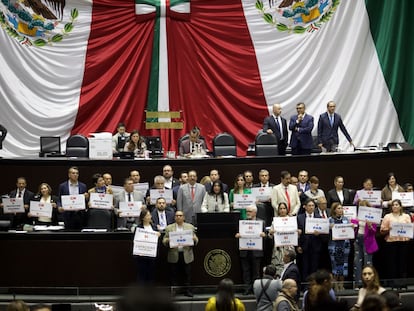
213, 73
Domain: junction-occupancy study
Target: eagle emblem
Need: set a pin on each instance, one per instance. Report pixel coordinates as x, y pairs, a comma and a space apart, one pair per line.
36, 22
297, 16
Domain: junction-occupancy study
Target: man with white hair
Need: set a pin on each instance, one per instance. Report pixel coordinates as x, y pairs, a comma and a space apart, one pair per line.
251, 259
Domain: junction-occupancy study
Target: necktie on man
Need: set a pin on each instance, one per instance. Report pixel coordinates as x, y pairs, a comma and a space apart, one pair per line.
20, 194
162, 220
129, 197
280, 128
287, 198
331, 119
192, 193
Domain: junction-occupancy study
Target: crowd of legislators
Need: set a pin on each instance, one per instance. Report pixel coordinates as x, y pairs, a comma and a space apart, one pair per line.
298, 196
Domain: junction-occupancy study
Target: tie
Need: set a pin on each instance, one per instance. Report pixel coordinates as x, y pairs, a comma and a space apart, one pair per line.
279, 127
162, 220
192, 193
323, 214
331, 119
129, 196
20, 194
310, 215
288, 198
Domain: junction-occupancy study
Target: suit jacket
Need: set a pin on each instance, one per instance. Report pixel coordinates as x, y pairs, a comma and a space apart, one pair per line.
332, 197
308, 242
256, 253
279, 195
122, 222
292, 272
187, 250
169, 217
185, 146
329, 134
189, 207
76, 219
19, 219
209, 185
301, 132
270, 123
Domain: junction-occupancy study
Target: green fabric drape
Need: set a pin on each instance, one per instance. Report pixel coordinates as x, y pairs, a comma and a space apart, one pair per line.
393, 33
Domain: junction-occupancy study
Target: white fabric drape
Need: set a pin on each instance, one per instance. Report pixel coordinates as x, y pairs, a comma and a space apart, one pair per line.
40, 86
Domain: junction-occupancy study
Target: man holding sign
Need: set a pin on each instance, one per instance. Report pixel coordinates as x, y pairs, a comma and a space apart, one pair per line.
250, 255
180, 237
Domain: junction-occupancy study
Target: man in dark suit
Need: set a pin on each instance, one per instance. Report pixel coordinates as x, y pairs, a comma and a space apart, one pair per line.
214, 176
73, 220
291, 270
339, 193
328, 125
250, 259
168, 174
276, 124
19, 219
309, 244
301, 126
160, 216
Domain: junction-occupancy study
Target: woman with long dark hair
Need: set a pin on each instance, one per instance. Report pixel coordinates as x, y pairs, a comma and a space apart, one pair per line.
224, 299
136, 144
216, 200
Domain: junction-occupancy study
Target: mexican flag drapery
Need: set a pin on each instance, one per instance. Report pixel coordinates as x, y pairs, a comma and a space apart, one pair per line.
83, 66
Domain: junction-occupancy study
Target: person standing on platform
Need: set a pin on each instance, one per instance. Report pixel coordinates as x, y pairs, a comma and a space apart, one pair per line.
250, 259
328, 125
180, 257
264, 207
162, 217
190, 197
214, 176
277, 125
146, 265
287, 193
339, 193
301, 126
309, 244
248, 178
168, 174
73, 220
239, 188
120, 138
127, 195
267, 289
216, 200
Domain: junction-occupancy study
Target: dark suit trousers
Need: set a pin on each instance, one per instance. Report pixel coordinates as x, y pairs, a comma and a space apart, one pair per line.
146, 270
250, 268
180, 269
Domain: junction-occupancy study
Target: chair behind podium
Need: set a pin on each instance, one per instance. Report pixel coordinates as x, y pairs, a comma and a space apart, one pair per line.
218, 225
